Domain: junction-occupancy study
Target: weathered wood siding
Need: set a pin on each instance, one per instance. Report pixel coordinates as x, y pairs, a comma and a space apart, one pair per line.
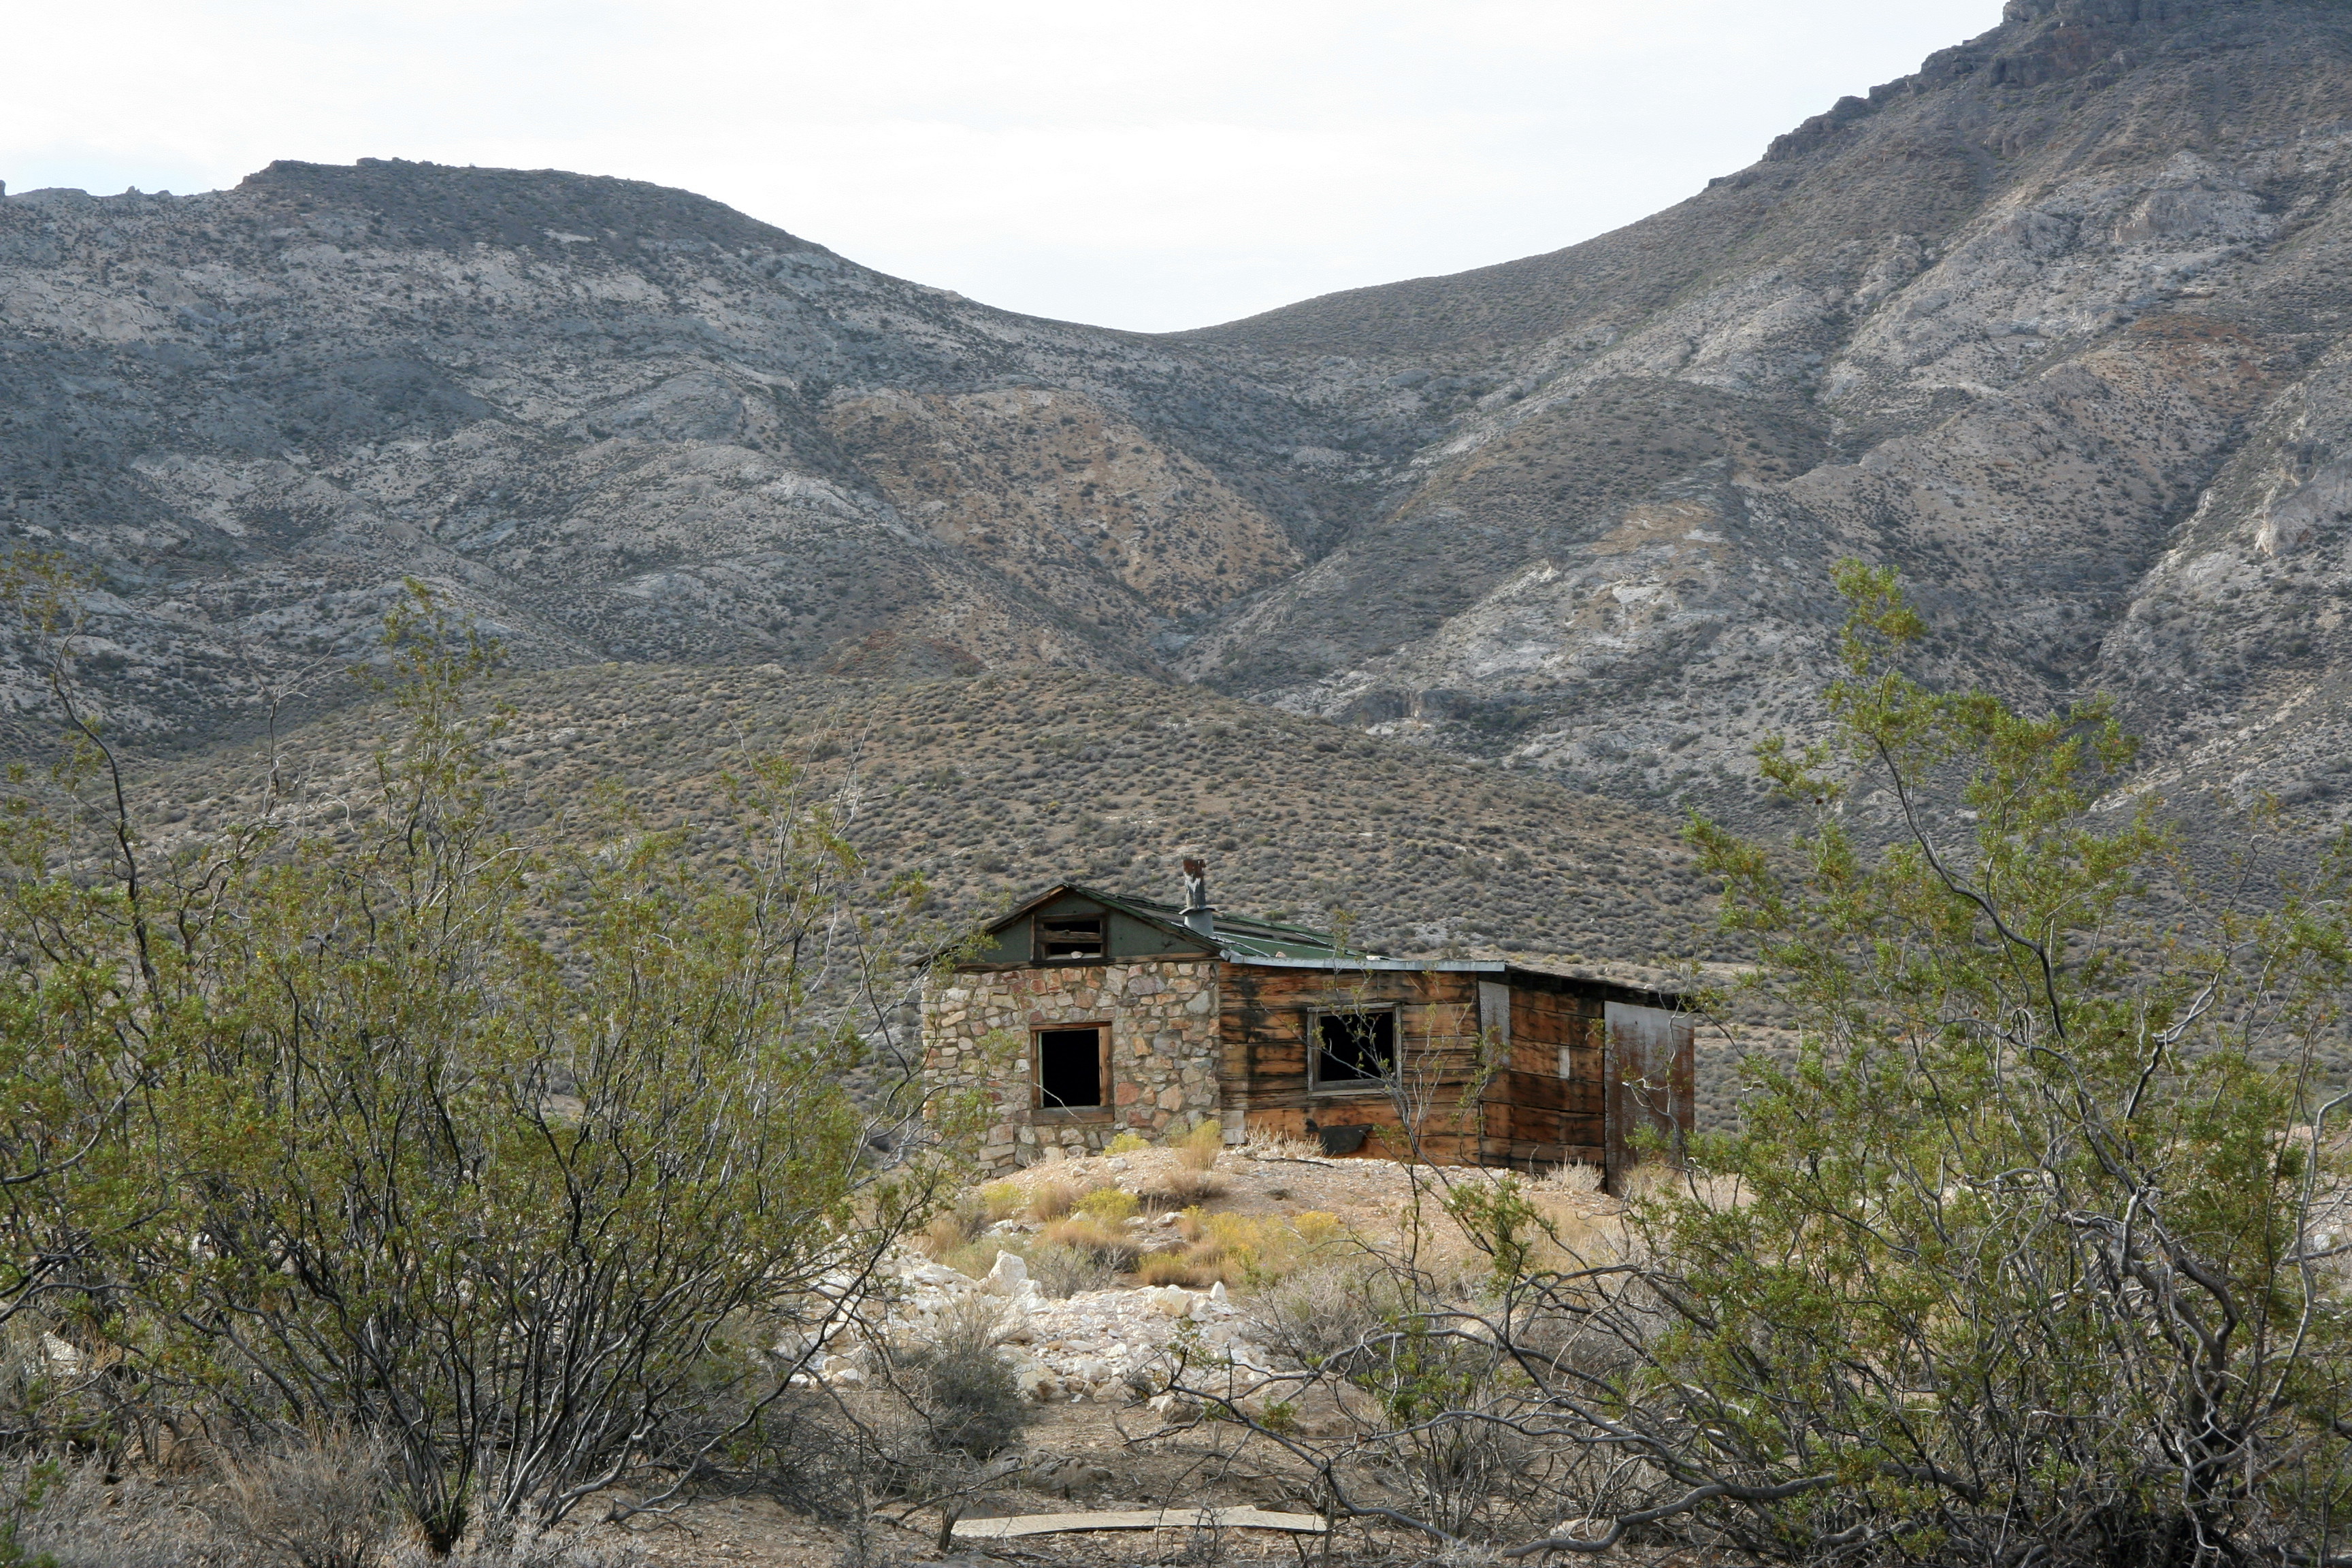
1549, 1107
1264, 1069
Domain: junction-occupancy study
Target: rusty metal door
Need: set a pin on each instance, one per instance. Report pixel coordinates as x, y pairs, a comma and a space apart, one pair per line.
1648, 1076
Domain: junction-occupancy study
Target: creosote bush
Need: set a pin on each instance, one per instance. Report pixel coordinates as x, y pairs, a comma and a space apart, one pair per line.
367, 1116
2032, 1259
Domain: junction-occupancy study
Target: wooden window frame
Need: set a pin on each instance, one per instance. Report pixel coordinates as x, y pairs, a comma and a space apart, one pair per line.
1100, 1111
1351, 1087
1037, 940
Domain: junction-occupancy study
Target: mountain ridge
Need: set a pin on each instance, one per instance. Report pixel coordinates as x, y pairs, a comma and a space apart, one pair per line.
2054, 325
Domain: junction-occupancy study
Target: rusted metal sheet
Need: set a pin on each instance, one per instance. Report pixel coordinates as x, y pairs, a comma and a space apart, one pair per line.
1648, 1070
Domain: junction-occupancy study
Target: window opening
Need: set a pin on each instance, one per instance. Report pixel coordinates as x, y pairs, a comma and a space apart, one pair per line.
1069, 1069
1069, 936
1354, 1047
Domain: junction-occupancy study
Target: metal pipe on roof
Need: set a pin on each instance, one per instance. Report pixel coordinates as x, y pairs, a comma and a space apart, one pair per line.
1199, 913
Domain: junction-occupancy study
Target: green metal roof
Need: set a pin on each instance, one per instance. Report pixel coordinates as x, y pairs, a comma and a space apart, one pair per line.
1236, 936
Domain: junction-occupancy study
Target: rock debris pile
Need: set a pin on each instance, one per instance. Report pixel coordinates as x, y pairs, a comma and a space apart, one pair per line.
1109, 1345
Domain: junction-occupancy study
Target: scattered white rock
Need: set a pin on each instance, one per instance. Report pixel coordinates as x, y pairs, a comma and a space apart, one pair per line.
1093, 1345
1007, 1276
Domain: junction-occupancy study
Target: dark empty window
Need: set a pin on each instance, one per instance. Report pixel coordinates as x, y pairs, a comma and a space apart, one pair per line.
1354, 1047
1069, 936
1069, 1069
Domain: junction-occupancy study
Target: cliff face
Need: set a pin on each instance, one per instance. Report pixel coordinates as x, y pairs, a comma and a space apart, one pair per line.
2054, 325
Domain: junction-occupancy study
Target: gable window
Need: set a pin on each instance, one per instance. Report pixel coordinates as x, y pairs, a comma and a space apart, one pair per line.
1069, 1067
1067, 937
1354, 1050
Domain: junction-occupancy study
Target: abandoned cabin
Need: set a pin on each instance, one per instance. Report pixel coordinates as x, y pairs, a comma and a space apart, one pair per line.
1084, 1015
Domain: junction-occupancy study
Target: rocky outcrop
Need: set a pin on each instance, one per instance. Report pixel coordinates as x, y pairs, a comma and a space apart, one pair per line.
2054, 326
609, 421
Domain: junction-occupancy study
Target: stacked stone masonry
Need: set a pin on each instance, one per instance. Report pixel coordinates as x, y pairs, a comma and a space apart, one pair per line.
1162, 1015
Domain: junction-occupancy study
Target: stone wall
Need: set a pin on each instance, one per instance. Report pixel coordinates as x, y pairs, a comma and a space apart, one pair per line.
1163, 1049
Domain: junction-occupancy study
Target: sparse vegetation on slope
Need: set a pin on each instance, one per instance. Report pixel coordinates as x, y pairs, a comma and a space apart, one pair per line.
1002, 783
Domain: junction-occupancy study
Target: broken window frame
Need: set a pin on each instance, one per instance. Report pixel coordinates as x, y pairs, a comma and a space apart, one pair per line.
1380, 1085
1100, 921
1102, 1105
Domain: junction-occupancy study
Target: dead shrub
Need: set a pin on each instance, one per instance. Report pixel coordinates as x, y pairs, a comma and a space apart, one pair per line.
1050, 1200
1319, 1315
968, 1395
1198, 1150
1571, 1177
1265, 1144
1106, 1242
1062, 1272
81, 1519
323, 1500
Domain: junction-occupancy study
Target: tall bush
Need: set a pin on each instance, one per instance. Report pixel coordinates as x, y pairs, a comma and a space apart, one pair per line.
482, 1148
2033, 1253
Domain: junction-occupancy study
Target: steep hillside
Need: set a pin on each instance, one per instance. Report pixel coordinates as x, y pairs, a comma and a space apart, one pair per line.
2056, 325
614, 421
1001, 784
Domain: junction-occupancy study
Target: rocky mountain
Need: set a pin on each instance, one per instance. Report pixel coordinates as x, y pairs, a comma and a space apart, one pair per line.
611, 420
2054, 324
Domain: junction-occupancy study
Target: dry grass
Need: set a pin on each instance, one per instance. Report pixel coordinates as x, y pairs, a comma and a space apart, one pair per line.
1049, 1200
1265, 1145
1242, 1249
1574, 1176
1183, 1188
1108, 1242
1197, 1151
954, 1229
322, 1503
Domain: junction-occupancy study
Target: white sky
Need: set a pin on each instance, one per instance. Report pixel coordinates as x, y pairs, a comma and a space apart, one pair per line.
1142, 166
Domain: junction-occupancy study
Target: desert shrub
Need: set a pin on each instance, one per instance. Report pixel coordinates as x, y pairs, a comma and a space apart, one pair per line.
1571, 1177
1110, 1244
968, 1395
1063, 1271
463, 1104
1197, 1150
1128, 1143
1003, 1200
323, 1500
1051, 1199
76, 1515
1110, 1204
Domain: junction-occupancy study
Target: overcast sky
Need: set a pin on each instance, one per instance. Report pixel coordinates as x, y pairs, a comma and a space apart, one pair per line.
1142, 166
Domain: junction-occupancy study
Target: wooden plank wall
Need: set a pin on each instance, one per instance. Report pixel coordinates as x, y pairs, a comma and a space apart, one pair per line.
1529, 1117
1536, 1118
1265, 1068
